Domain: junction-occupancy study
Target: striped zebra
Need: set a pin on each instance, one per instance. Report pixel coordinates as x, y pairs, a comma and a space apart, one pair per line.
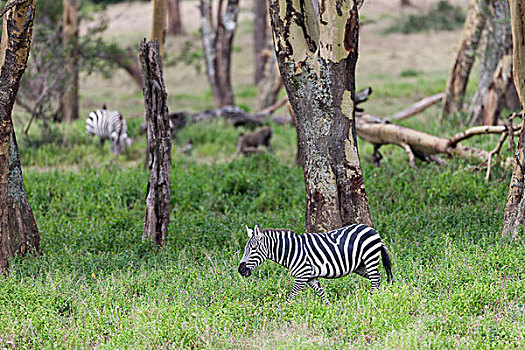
109, 125
355, 248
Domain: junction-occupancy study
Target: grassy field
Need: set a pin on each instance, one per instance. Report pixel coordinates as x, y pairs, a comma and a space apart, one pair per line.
458, 284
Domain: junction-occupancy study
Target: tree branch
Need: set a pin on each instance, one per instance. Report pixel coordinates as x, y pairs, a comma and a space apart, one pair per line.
8, 7
418, 107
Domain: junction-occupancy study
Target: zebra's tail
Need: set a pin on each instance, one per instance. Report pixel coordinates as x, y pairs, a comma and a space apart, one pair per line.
387, 263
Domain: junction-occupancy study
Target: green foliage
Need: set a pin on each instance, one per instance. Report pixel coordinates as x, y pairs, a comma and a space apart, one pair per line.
440, 16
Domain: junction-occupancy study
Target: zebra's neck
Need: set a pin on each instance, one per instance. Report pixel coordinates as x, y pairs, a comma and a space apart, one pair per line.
283, 246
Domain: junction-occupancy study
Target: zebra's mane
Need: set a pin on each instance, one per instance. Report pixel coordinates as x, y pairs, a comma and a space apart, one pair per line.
277, 231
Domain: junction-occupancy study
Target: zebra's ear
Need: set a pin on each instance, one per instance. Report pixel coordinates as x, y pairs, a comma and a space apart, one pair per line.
249, 230
256, 230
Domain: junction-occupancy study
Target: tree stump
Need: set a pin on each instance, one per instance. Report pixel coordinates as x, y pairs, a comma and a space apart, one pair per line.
159, 145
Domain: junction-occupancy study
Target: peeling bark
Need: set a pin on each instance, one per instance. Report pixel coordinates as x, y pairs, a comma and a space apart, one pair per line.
514, 219
317, 55
159, 146
18, 231
217, 43
458, 78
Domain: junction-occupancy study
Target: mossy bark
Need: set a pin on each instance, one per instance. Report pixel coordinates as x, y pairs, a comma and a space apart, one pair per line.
317, 53
514, 219
18, 230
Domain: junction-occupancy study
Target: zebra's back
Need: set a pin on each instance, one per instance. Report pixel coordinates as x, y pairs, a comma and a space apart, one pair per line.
342, 251
107, 125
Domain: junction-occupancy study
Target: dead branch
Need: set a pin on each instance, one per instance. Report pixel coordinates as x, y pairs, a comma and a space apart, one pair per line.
420, 143
495, 151
418, 107
480, 130
275, 106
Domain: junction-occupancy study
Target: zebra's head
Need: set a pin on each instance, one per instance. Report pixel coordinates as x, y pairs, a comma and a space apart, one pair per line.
255, 252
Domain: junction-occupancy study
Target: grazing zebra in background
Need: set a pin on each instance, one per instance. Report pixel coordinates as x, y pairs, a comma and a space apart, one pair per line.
354, 248
109, 125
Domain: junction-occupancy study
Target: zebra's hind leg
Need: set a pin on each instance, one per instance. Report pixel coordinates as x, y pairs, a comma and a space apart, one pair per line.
298, 285
372, 270
316, 286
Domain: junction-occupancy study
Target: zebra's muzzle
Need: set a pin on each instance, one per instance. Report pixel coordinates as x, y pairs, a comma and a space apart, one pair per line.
243, 270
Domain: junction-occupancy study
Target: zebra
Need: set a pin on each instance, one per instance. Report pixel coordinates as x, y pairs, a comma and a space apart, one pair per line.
109, 125
354, 248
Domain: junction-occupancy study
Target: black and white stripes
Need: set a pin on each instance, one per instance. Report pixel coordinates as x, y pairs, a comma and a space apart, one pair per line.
109, 125
354, 248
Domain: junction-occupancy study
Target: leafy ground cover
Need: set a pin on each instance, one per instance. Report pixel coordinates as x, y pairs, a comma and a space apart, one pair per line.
458, 284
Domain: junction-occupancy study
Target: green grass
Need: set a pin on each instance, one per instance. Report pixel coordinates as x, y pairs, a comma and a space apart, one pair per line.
95, 284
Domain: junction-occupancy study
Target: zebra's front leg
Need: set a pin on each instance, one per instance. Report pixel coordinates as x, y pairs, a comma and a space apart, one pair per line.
298, 285
316, 286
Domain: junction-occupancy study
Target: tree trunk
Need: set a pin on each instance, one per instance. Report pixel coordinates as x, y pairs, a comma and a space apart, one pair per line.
18, 231
514, 218
260, 37
159, 140
270, 83
217, 43
458, 78
174, 19
317, 55
69, 103
496, 92
498, 44
158, 26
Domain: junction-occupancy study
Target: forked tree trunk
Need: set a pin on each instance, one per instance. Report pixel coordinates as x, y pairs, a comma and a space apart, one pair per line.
496, 92
158, 25
514, 220
217, 43
498, 44
260, 37
174, 18
18, 231
458, 78
69, 103
159, 146
317, 55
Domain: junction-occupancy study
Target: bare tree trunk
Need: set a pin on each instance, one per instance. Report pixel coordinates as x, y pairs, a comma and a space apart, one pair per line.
69, 103
159, 140
458, 78
217, 43
498, 44
18, 231
158, 26
260, 37
318, 71
174, 19
270, 83
514, 219
496, 92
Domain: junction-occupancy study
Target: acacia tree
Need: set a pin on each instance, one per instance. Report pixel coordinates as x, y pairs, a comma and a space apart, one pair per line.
18, 230
69, 101
515, 208
317, 49
174, 19
217, 42
158, 26
458, 78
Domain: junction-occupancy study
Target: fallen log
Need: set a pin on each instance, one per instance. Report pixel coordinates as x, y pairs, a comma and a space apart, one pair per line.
420, 144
